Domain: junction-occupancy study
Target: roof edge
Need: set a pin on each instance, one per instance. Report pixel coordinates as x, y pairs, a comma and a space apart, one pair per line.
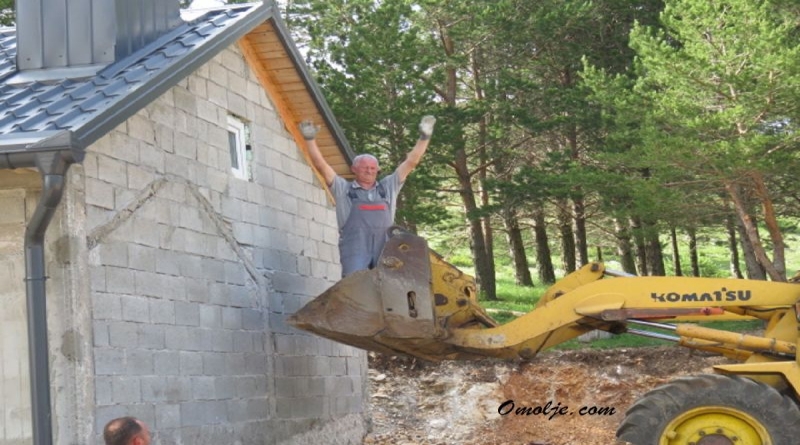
310, 83
166, 79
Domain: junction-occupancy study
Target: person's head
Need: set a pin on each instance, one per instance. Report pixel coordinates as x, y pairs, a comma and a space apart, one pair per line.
366, 169
126, 431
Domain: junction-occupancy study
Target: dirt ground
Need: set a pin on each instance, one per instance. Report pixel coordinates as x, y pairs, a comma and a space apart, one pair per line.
577, 397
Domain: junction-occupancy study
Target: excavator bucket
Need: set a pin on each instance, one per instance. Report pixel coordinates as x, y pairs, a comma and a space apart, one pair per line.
393, 307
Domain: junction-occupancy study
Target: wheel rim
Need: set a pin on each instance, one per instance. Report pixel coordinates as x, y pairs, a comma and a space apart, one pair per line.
715, 425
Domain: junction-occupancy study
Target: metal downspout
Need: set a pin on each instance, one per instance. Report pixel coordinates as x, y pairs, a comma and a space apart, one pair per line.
53, 167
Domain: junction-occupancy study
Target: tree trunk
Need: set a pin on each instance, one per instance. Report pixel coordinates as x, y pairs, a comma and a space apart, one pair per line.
483, 267
655, 255
641, 249
754, 269
483, 157
733, 248
777, 267
543, 258
694, 259
516, 247
751, 232
568, 260
624, 250
676, 255
580, 231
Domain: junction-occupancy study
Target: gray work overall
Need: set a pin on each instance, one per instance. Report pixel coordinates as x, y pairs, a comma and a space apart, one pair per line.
365, 232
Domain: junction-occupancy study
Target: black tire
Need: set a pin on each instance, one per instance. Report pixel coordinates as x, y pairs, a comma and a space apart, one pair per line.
691, 410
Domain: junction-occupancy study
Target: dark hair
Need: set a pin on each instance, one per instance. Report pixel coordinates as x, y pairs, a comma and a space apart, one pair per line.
120, 431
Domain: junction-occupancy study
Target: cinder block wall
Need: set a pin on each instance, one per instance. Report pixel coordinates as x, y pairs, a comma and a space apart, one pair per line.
191, 273
15, 402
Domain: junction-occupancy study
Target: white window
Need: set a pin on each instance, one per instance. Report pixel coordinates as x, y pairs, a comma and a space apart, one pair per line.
238, 144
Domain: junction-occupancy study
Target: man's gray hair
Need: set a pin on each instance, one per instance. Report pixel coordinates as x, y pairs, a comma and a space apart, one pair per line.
363, 156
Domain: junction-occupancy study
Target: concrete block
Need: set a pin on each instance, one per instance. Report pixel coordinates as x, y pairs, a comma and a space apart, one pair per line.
153, 389
232, 209
237, 104
213, 270
145, 232
225, 387
124, 147
217, 94
182, 338
123, 334
210, 316
163, 115
151, 336
206, 110
168, 262
148, 284
162, 311
231, 318
191, 218
187, 314
197, 88
198, 291
185, 99
103, 394
177, 166
191, 266
120, 280
307, 407
199, 413
153, 157
141, 257
252, 319
242, 342
256, 363
109, 361
235, 364
178, 389
214, 363
235, 273
139, 178
141, 127
218, 341
254, 386
191, 363
167, 416
135, 308
99, 193
100, 336
123, 197
112, 171
338, 366
166, 362
106, 306
203, 388
139, 361
238, 410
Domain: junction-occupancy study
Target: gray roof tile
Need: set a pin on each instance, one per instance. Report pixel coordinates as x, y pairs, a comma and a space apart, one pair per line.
73, 104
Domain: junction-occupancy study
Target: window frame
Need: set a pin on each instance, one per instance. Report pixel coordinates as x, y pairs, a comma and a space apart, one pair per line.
239, 129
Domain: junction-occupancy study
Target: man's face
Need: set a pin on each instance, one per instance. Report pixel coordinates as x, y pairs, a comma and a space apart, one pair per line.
366, 171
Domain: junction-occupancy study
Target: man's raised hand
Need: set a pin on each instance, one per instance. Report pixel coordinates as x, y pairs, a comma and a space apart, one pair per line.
308, 129
426, 127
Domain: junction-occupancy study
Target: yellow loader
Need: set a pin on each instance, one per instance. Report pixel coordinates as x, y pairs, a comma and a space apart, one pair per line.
415, 303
